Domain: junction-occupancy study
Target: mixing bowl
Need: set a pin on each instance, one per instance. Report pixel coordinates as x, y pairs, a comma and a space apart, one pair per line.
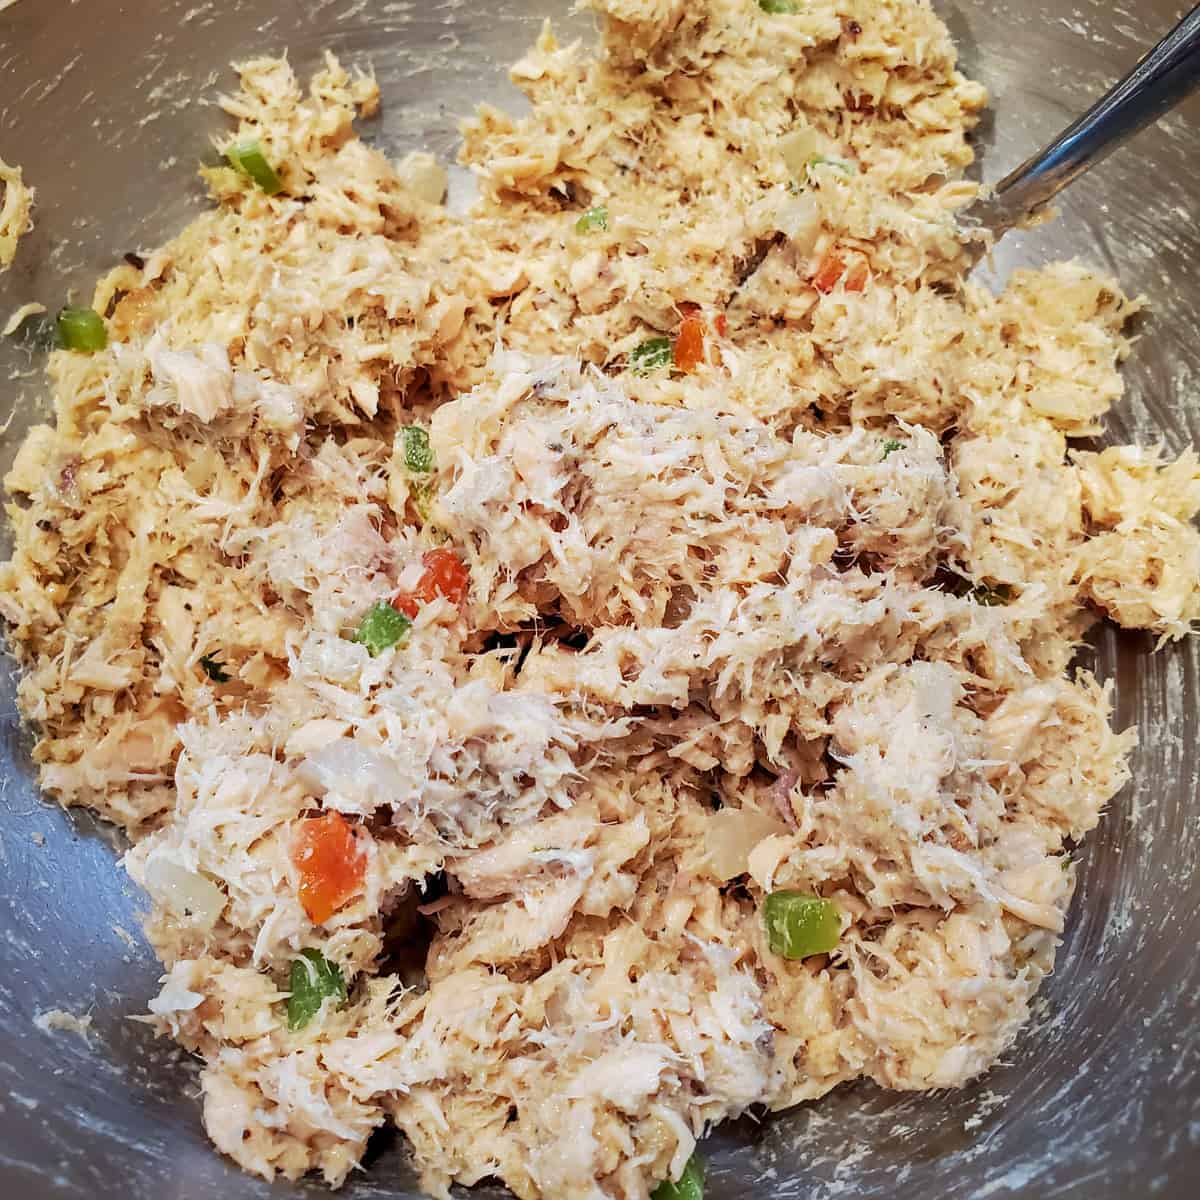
108, 108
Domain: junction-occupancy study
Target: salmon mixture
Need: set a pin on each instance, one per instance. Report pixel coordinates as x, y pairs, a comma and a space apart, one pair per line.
577, 671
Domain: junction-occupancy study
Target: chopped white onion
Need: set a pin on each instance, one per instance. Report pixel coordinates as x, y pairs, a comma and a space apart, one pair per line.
353, 778
188, 895
424, 176
174, 998
799, 220
733, 833
797, 147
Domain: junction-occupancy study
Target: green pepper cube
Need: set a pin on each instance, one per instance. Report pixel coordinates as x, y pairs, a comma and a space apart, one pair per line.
651, 355
248, 158
776, 7
593, 219
799, 925
82, 330
689, 1185
382, 628
314, 979
418, 453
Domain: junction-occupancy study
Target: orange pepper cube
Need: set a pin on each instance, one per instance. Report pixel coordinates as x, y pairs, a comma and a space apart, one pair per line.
831, 269
332, 861
689, 345
444, 575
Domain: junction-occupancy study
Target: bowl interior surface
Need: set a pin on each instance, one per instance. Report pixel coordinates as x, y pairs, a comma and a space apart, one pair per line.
109, 108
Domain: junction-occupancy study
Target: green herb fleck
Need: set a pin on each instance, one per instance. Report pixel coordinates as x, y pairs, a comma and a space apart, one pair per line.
593, 219
382, 628
799, 925
248, 158
890, 447
990, 597
214, 668
776, 7
314, 979
81, 329
689, 1185
418, 453
651, 355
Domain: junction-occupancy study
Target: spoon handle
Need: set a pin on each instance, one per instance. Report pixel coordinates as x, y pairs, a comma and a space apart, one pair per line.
1164, 77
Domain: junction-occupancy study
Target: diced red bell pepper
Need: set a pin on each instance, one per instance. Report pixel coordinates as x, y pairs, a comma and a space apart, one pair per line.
691, 348
332, 861
445, 575
831, 269
689, 344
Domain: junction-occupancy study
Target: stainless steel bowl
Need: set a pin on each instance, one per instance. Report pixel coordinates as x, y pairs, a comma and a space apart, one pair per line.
106, 106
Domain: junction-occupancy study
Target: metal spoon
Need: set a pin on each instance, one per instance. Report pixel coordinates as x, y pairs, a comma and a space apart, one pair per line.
1164, 77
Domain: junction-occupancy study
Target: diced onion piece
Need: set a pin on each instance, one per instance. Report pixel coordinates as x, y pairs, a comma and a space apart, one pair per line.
186, 894
799, 925
799, 220
732, 833
689, 1185
424, 176
82, 330
798, 146
361, 778
248, 158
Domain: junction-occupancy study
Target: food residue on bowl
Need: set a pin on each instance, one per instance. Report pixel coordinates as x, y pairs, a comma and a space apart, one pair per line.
16, 204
